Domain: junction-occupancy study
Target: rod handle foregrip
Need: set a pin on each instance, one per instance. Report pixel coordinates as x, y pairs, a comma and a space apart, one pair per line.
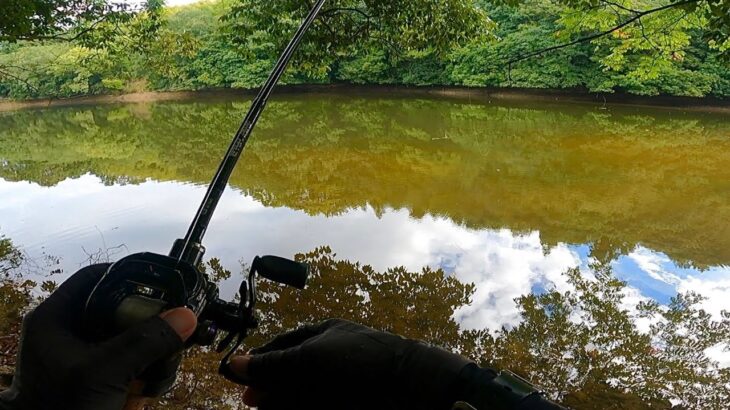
282, 270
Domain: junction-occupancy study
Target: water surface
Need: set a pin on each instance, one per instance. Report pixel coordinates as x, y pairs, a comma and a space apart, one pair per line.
505, 196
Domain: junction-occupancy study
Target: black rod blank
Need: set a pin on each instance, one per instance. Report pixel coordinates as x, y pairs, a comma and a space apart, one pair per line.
189, 251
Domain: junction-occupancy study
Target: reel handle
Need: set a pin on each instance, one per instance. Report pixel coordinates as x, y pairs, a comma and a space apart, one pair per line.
281, 270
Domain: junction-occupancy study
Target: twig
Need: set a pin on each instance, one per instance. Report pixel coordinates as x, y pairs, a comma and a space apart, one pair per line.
62, 36
620, 6
102, 255
349, 9
637, 16
648, 40
15, 77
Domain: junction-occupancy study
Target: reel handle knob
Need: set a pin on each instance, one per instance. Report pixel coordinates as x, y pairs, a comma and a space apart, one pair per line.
281, 270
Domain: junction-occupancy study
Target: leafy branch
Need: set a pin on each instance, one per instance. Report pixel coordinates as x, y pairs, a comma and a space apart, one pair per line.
5, 73
636, 17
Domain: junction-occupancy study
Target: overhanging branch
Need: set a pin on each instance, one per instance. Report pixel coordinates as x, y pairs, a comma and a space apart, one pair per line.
638, 15
5, 73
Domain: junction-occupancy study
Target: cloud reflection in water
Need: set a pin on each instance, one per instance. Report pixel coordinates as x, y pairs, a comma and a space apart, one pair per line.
83, 214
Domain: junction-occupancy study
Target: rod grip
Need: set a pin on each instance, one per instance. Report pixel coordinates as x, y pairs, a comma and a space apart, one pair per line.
282, 270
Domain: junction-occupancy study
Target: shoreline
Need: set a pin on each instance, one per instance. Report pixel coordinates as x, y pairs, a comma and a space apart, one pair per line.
705, 104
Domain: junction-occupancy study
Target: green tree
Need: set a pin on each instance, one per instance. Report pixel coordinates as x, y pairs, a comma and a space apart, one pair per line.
659, 48
398, 27
57, 19
644, 42
84, 38
551, 45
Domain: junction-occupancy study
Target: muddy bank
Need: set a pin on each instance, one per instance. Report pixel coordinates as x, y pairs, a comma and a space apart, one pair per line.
151, 96
707, 104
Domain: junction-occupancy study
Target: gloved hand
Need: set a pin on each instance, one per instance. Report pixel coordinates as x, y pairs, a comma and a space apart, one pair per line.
58, 369
342, 365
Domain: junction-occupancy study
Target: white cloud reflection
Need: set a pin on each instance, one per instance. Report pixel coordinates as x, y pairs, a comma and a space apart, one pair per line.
82, 213
653, 264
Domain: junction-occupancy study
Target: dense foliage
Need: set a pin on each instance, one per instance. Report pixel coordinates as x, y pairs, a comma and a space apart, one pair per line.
232, 44
58, 19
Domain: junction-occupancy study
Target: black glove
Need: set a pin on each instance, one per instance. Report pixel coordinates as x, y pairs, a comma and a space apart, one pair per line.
484, 389
342, 365
58, 369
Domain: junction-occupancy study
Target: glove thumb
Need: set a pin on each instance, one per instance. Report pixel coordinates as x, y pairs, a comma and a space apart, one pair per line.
156, 339
182, 321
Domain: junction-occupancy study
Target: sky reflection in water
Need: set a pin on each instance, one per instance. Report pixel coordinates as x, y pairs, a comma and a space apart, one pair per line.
505, 195
81, 215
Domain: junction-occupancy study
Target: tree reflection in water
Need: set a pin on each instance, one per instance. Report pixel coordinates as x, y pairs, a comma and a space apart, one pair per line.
588, 347
610, 179
576, 174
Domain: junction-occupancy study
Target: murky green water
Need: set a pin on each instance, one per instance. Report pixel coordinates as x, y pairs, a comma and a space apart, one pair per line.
505, 196
603, 182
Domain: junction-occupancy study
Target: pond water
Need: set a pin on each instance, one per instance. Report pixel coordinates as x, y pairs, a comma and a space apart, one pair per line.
505, 195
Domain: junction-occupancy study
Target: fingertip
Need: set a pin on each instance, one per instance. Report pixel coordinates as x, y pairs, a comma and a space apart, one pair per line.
239, 365
182, 320
252, 397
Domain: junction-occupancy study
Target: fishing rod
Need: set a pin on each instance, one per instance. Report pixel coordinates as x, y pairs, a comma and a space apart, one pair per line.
190, 249
143, 285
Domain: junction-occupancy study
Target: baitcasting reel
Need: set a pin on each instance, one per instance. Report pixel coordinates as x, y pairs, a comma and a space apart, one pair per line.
144, 285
